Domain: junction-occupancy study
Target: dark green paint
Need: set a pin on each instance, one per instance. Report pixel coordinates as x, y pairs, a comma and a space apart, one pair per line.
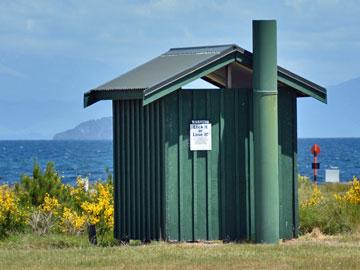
165, 191
155, 94
287, 174
137, 170
250, 167
177, 67
245, 188
171, 168
116, 156
212, 197
94, 96
295, 203
265, 99
302, 88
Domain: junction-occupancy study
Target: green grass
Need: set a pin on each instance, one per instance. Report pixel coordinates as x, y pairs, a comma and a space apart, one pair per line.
26, 251
310, 251
329, 215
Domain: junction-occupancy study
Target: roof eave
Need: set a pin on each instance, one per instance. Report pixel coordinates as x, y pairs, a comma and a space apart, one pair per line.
234, 53
302, 85
96, 95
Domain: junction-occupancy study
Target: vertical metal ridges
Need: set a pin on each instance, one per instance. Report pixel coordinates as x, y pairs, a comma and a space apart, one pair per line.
138, 170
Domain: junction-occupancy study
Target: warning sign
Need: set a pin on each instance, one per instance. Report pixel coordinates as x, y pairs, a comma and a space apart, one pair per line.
200, 135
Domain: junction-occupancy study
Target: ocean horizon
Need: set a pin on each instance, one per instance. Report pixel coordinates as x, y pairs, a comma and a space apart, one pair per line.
92, 158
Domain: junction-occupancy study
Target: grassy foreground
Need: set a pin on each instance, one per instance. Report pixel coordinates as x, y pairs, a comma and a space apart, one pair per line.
43, 226
27, 251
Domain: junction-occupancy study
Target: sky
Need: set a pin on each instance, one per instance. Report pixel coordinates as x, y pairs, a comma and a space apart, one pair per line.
51, 52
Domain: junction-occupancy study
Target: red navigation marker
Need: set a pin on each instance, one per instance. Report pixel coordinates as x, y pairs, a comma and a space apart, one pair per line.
315, 149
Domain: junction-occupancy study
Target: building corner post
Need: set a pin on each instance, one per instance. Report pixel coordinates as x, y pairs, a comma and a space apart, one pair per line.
265, 106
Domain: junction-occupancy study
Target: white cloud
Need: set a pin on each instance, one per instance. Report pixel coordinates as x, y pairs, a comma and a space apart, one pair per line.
7, 71
104, 30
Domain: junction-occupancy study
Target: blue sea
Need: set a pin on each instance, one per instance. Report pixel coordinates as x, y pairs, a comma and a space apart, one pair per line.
71, 158
92, 158
343, 153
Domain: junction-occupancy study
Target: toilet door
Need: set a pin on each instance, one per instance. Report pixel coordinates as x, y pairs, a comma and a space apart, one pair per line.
207, 189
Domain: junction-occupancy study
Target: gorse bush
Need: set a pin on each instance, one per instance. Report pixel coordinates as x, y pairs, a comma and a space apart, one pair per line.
52, 206
99, 209
352, 196
315, 199
71, 222
333, 208
12, 215
350, 203
41, 203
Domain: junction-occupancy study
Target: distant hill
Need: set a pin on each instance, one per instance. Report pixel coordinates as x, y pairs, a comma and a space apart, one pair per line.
340, 117
100, 129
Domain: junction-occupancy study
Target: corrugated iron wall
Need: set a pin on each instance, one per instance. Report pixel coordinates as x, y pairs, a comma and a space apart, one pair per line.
138, 169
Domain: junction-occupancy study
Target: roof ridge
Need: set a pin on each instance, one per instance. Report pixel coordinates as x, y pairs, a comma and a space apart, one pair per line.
177, 65
203, 47
212, 49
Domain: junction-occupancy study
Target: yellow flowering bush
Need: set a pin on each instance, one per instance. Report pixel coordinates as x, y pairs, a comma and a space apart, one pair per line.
352, 196
12, 217
100, 209
315, 198
50, 205
333, 208
72, 222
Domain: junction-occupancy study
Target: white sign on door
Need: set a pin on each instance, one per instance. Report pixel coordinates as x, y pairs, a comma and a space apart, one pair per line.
200, 135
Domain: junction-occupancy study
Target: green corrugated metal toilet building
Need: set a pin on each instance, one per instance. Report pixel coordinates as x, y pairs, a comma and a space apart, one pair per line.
207, 164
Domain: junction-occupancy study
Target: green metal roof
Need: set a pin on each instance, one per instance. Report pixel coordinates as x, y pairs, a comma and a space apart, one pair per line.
179, 66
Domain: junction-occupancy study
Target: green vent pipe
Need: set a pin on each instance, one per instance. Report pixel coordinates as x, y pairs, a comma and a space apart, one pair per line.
265, 132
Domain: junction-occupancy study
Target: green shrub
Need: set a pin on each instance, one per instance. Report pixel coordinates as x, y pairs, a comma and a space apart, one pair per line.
351, 213
330, 214
32, 190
